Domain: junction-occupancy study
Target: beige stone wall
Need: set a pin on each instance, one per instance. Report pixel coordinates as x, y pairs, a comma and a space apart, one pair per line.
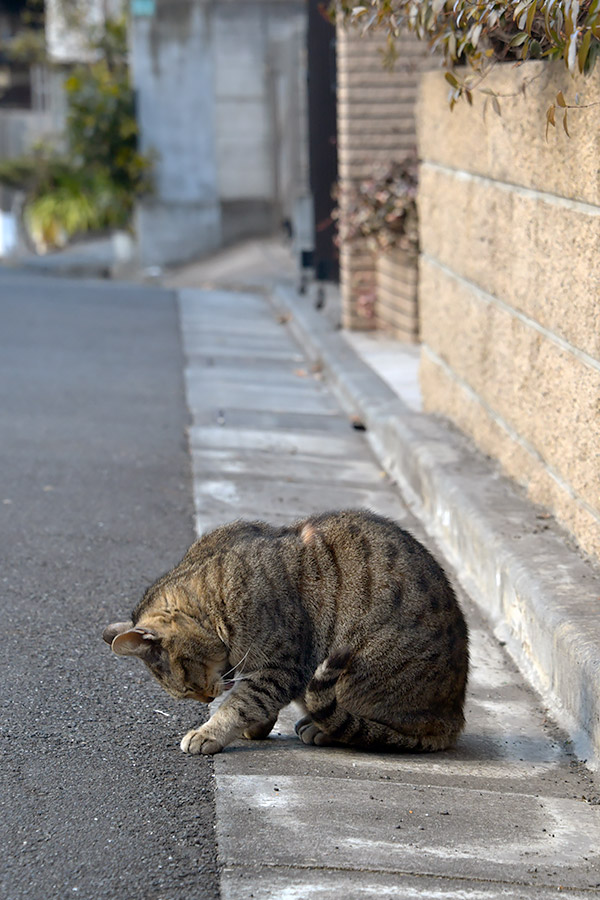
509, 287
376, 125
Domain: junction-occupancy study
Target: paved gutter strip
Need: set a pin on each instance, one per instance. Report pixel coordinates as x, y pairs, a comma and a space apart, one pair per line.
538, 593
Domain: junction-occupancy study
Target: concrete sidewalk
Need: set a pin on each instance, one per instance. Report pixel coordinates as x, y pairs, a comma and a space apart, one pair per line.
510, 812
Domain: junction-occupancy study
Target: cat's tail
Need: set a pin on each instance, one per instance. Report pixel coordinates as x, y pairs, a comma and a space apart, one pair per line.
328, 722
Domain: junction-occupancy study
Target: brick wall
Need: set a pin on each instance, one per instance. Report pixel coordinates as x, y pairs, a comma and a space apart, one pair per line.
509, 283
376, 125
396, 300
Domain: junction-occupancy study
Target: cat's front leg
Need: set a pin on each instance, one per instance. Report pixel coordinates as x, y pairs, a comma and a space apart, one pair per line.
248, 710
201, 740
210, 740
224, 726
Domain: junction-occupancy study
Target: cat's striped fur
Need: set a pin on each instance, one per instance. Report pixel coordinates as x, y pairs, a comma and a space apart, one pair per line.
344, 612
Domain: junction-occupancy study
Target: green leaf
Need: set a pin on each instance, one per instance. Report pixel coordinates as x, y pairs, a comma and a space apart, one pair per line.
547, 28
584, 50
592, 11
519, 39
452, 79
535, 49
519, 9
451, 46
530, 17
550, 118
591, 58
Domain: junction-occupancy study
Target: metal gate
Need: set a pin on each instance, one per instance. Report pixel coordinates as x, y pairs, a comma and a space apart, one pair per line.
322, 136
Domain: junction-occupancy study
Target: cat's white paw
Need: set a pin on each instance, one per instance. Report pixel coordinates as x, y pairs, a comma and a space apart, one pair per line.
197, 741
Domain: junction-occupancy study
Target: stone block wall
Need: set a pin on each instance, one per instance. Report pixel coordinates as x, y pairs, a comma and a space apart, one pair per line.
509, 287
376, 125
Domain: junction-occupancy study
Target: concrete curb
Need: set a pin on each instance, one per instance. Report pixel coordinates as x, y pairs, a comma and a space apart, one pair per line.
539, 593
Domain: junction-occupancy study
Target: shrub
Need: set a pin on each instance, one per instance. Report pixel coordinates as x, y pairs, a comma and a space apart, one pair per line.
382, 209
480, 32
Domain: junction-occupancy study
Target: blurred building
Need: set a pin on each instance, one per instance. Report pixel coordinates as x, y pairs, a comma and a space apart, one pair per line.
236, 101
221, 90
24, 89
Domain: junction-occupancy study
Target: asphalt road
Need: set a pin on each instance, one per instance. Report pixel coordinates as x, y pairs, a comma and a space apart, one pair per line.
95, 501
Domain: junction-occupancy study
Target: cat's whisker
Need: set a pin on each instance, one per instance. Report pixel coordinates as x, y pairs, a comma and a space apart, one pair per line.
238, 664
238, 677
228, 683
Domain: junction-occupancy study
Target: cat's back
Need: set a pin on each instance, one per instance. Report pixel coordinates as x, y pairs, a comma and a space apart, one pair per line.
367, 543
378, 568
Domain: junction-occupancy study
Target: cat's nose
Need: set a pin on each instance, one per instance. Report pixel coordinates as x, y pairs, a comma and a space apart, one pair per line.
203, 698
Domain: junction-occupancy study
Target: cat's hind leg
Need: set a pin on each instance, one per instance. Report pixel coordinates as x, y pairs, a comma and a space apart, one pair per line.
320, 699
310, 733
328, 722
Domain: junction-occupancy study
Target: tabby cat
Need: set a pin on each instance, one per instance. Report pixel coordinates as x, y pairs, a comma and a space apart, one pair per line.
343, 612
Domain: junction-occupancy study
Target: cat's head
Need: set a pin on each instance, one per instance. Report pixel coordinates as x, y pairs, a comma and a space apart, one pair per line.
188, 660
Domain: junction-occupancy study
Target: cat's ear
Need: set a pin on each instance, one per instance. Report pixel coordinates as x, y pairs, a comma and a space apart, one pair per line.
136, 642
111, 631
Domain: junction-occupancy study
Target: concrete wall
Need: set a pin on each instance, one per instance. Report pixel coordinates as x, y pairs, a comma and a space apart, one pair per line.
510, 286
376, 124
258, 51
220, 103
173, 70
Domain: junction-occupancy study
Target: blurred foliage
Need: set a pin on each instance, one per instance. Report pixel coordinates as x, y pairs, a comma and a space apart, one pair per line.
382, 209
63, 200
102, 131
93, 182
479, 33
